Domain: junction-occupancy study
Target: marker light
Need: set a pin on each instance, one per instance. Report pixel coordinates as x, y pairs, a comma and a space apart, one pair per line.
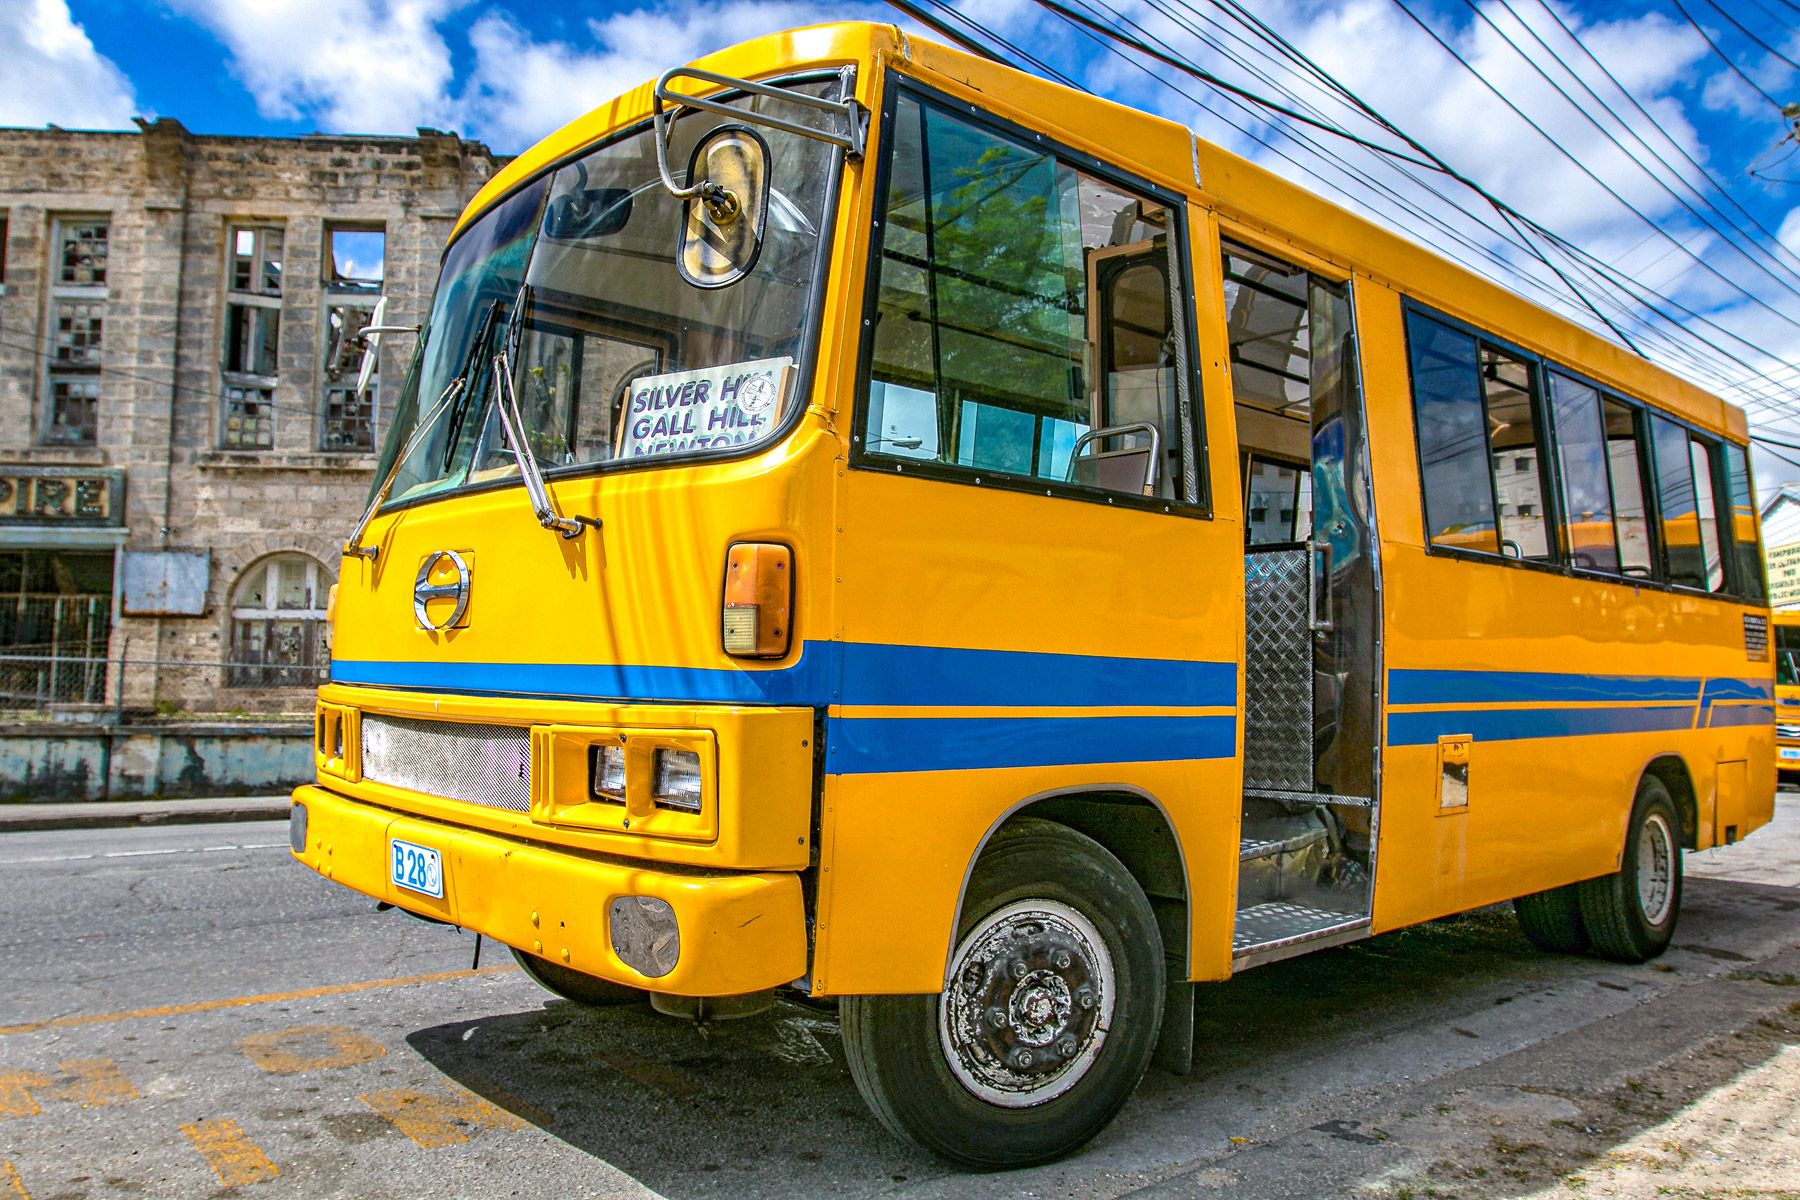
606, 773
759, 598
677, 780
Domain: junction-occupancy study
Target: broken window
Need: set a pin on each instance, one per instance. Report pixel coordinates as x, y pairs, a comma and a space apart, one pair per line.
249, 421
358, 259
347, 421
75, 321
82, 252
256, 260
76, 338
250, 360
278, 627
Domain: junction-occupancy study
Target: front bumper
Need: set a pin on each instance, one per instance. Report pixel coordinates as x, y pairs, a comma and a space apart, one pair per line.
740, 931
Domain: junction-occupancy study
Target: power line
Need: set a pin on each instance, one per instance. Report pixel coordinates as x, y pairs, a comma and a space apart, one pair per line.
1724, 57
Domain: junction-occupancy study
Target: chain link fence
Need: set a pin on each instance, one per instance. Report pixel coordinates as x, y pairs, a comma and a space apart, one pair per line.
45, 684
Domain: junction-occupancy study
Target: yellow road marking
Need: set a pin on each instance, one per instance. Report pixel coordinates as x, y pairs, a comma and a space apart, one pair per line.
228, 1150
310, 1048
434, 1119
666, 1080
89, 1082
16, 1099
200, 1006
9, 1175
93, 1082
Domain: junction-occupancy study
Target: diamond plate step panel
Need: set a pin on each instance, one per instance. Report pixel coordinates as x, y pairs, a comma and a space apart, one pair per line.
1280, 921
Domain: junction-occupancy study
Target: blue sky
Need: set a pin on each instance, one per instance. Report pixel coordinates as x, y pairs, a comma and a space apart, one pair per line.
507, 73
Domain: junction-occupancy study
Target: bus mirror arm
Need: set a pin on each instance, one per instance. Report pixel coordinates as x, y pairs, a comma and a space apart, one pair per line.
667, 102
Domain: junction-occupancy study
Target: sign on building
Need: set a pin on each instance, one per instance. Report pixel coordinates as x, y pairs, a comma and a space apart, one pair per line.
1784, 575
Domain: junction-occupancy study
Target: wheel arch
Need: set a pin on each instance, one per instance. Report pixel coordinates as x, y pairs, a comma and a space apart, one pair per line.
1133, 826
1672, 770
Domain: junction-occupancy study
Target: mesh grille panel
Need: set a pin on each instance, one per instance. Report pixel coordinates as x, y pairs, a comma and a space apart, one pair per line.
478, 764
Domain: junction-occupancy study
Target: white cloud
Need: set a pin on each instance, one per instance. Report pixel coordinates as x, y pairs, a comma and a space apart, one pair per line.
521, 89
354, 66
54, 74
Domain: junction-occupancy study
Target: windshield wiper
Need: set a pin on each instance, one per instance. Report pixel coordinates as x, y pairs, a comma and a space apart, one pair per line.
352, 545
513, 426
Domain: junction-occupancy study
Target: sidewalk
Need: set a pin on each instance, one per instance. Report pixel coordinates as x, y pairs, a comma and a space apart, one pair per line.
99, 814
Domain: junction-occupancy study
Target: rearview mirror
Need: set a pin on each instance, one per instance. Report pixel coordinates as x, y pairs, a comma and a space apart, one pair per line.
722, 221
587, 213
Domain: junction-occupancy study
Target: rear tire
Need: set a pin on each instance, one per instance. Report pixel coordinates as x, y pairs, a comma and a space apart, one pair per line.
1630, 914
1049, 1022
571, 984
1552, 920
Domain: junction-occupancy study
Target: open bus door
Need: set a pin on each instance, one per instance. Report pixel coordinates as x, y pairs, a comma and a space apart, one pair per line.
1312, 611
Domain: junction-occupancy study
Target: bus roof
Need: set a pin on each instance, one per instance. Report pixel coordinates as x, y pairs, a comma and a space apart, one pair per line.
1252, 202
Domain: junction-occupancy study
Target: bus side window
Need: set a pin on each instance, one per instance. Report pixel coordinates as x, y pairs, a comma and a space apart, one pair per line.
1581, 449
1746, 553
1459, 494
1625, 468
1024, 323
1690, 533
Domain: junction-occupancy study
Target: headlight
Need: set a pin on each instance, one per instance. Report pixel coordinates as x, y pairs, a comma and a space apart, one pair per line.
676, 776
606, 773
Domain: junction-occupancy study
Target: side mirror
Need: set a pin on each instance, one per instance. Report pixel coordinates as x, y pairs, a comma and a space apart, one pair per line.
372, 334
587, 213
371, 350
727, 210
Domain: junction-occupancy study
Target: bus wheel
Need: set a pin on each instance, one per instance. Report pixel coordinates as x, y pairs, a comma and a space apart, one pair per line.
1552, 920
574, 985
1052, 1010
1630, 914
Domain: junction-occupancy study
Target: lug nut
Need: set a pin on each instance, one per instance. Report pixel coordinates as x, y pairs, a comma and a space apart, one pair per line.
1018, 968
997, 1018
1062, 960
1023, 1059
1066, 1047
1085, 997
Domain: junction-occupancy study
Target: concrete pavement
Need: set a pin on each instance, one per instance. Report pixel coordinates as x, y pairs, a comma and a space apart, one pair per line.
108, 814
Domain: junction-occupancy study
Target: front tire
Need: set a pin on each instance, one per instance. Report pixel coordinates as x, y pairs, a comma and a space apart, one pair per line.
571, 984
1049, 1021
1630, 914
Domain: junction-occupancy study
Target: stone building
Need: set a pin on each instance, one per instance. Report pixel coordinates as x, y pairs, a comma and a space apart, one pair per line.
182, 448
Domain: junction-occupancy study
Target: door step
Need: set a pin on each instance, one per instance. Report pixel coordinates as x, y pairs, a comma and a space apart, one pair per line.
1299, 800
1277, 924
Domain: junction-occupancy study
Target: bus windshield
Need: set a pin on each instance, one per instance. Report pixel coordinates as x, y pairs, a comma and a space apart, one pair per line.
616, 353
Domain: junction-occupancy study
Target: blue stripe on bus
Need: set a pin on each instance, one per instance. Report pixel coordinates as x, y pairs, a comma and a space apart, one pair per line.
900, 676
801, 683
937, 675
1738, 689
1740, 714
1513, 724
867, 745
1433, 686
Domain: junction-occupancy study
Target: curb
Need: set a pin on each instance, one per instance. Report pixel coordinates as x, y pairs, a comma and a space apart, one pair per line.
19, 818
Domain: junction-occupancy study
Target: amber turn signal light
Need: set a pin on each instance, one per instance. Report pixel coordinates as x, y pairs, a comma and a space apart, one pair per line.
759, 600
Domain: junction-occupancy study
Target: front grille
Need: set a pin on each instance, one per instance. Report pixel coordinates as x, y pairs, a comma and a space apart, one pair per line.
478, 764
1787, 731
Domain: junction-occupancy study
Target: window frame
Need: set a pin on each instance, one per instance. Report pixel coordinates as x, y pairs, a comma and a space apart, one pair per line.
364, 302
253, 298
314, 624
896, 84
1549, 458
57, 293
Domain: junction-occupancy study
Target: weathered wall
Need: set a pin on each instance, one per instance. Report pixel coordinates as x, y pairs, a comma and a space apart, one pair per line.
50, 761
171, 197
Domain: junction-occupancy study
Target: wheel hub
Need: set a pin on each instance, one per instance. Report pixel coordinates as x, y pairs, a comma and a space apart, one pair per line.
1031, 998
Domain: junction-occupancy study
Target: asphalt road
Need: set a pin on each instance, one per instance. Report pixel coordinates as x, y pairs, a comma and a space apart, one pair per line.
184, 1012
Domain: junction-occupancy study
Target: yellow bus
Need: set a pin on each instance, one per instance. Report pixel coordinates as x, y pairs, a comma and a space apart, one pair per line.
1787, 692
866, 521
